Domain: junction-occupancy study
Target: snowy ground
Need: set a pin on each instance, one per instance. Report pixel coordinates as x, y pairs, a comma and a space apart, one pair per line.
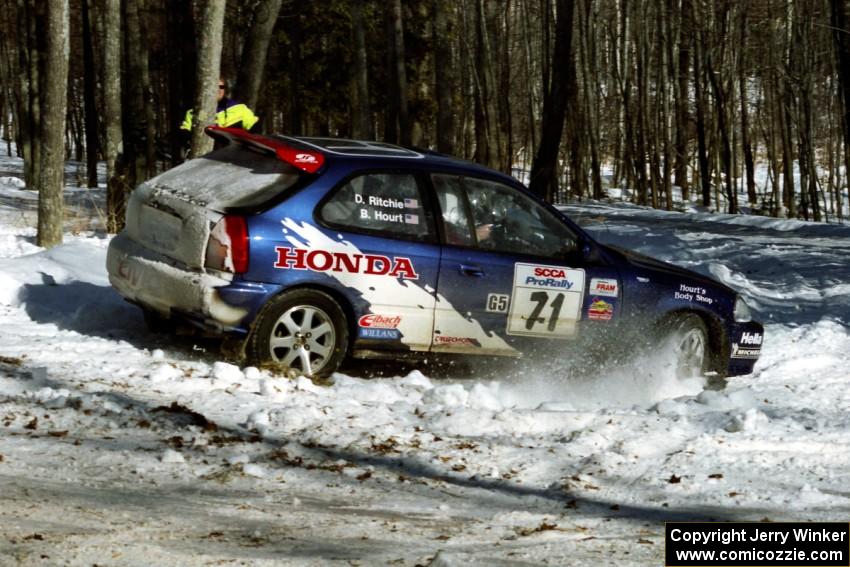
119, 447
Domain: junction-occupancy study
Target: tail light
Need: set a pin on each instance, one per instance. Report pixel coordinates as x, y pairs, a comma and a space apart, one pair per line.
227, 249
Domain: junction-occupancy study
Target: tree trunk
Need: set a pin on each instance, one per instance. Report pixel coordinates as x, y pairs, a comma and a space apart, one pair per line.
400, 73
206, 79
840, 17
253, 66
89, 97
51, 177
180, 65
544, 170
444, 74
116, 185
682, 114
362, 110
702, 150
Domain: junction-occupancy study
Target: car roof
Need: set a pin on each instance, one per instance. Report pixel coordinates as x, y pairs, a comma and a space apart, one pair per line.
346, 148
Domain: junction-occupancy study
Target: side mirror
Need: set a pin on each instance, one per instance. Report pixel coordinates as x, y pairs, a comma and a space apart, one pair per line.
589, 253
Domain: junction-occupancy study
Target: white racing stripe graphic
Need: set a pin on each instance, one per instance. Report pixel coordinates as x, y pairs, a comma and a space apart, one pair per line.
378, 289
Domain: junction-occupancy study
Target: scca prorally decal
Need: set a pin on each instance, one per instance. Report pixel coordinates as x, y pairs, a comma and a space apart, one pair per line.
546, 301
549, 277
380, 321
325, 261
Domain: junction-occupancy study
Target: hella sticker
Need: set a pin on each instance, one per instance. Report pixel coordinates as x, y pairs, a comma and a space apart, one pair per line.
603, 287
751, 339
324, 261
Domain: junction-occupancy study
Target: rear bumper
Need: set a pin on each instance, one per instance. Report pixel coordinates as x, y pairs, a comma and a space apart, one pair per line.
745, 341
158, 283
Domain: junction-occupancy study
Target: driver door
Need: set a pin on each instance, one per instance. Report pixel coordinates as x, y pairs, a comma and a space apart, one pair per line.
505, 282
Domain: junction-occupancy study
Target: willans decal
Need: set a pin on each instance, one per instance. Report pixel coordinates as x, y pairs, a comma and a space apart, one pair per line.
416, 324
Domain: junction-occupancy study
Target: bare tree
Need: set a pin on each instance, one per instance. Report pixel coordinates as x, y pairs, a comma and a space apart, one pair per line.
116, 185
362, 108
544, 173
206, 79
51, 177
444, 74
256, 50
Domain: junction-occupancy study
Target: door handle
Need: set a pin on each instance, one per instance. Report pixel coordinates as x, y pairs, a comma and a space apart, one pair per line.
470, 270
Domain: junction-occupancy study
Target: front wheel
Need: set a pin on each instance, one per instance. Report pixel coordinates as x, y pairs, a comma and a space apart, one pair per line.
304, 330
688, 338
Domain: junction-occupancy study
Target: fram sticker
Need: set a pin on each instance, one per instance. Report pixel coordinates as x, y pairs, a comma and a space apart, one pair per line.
324, 261
603, 287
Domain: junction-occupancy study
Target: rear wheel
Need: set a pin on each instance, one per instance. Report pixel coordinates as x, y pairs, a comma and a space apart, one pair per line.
688, 338
304, 330
157, 323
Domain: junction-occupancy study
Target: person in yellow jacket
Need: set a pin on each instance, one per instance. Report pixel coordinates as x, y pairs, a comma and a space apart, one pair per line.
229, 113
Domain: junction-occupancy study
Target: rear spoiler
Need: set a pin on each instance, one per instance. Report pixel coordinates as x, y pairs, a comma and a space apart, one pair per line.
309, 161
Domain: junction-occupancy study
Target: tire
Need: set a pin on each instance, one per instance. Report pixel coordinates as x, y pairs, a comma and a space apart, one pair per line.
689, 343
303, 330
157, 323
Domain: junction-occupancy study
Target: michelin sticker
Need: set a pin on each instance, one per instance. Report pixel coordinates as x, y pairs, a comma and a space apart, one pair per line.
546, 301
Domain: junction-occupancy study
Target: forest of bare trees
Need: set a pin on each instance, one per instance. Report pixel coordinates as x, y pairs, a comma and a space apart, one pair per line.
575, 96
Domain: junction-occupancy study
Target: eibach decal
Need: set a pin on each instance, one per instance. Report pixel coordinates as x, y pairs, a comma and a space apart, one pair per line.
379, 321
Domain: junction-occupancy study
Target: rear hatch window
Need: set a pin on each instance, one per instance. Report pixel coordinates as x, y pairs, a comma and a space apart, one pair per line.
234, 177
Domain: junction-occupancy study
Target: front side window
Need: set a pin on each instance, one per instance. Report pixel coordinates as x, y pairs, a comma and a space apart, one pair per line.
386, 203
499, 218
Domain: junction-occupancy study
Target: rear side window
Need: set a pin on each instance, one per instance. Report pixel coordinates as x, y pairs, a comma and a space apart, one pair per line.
387, 204
234, 176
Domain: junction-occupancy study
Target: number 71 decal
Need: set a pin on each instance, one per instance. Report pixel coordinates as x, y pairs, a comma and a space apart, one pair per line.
546, 301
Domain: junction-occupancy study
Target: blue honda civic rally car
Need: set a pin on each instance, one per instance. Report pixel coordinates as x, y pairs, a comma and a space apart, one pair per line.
313, 249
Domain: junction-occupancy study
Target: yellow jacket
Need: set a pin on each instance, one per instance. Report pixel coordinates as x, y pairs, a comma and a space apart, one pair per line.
229, 114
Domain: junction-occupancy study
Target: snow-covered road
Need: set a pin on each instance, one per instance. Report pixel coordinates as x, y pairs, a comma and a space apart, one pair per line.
121, 447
